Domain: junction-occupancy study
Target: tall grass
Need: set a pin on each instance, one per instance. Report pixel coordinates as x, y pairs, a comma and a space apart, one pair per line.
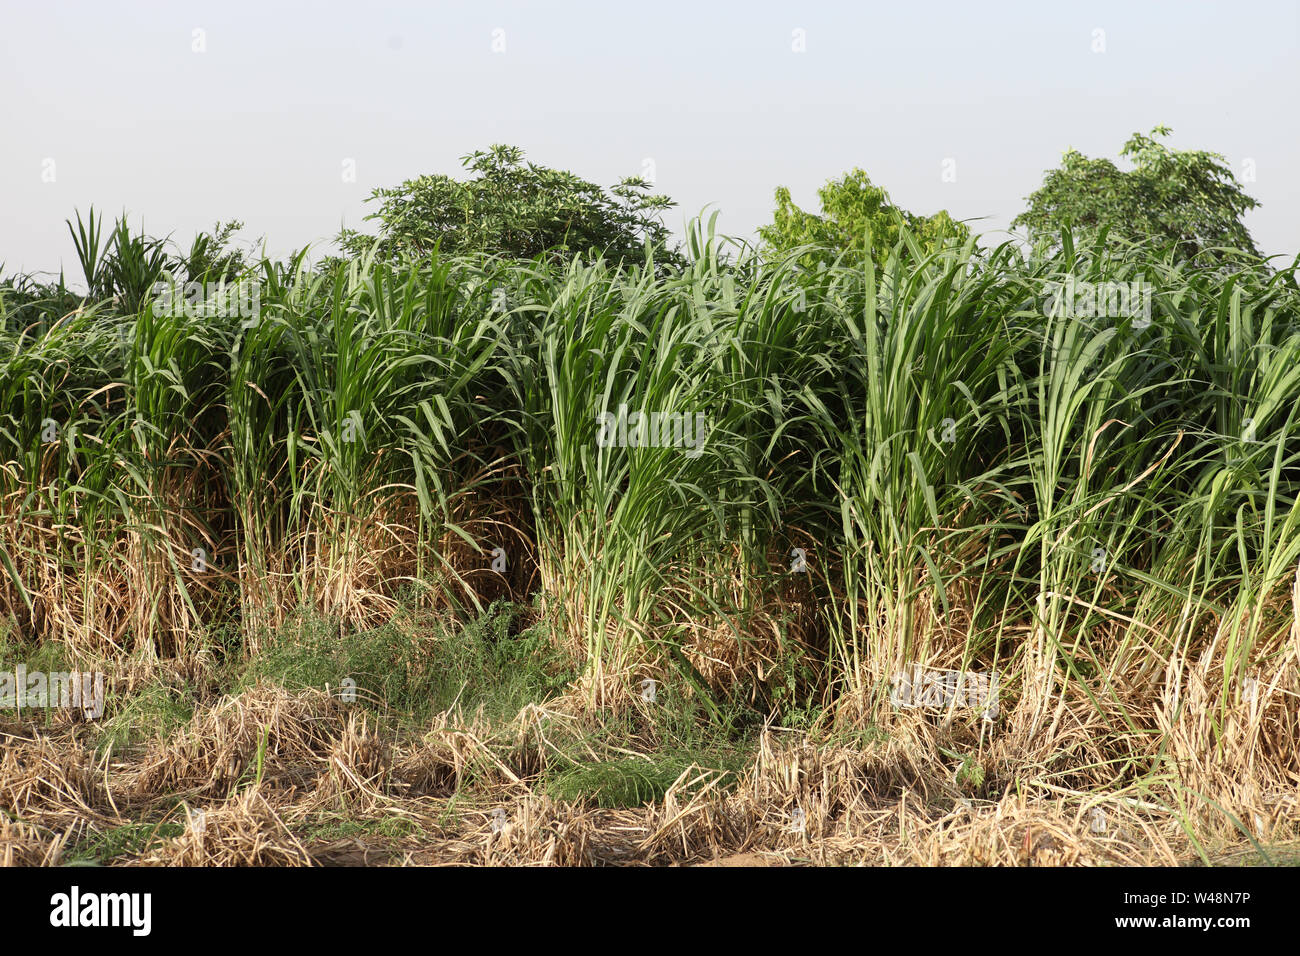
1101, 511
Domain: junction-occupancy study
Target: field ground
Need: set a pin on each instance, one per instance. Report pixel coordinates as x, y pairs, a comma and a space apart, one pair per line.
489, 757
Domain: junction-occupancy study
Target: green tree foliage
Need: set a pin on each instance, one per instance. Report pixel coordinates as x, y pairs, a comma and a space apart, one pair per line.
1185, 198
516, 209
211, 255
854, 212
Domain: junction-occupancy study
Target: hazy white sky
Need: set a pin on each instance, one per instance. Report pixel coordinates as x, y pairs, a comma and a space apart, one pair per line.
113, 102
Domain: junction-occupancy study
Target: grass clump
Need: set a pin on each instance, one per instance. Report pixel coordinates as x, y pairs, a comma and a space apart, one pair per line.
156, 709
129, 839
615, 784
417, 669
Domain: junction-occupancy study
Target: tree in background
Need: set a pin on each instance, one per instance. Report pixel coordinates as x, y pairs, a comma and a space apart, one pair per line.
1188, 198
212, 255
852, 210
515, 209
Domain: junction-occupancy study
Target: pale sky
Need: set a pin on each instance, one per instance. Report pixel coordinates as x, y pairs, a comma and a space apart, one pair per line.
722, 102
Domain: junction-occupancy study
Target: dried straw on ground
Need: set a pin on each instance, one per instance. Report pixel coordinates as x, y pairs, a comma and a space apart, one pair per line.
221, 745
